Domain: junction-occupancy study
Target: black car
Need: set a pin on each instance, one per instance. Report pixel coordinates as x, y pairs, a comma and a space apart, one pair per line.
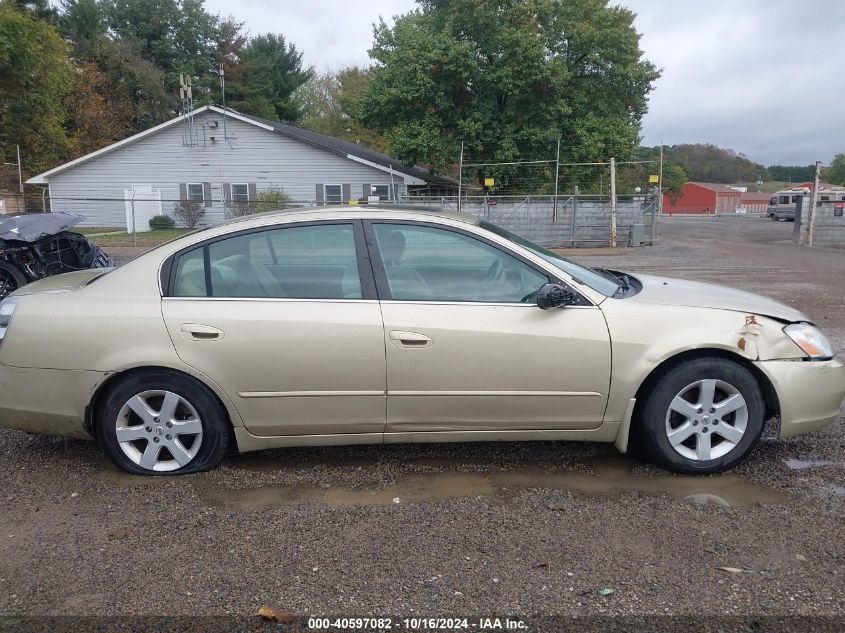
38, 245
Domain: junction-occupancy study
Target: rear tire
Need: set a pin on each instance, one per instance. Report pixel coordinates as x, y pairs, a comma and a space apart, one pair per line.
11, 278
701, 416
163, 423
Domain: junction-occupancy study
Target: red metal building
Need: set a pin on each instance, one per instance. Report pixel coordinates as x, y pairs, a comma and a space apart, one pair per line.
703, 197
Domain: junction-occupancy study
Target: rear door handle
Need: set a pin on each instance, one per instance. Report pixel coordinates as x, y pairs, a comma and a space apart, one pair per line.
200, 332
401, 338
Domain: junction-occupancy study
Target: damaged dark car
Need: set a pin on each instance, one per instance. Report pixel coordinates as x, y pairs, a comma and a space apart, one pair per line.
38, 245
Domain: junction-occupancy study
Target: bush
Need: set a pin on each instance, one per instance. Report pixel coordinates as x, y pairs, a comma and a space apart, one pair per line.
270, 199
159, 222
189, 212
238, 209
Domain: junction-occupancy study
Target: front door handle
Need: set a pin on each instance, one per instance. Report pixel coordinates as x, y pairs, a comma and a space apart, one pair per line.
200, 332
401, 338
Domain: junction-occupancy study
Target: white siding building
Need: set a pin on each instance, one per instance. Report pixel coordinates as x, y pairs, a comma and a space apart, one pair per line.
215, 157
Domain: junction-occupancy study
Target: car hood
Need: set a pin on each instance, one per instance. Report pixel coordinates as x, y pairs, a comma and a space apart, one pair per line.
66, 282
680, 292
31, 227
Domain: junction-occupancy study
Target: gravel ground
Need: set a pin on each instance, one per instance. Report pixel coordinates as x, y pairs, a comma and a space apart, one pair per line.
535, 528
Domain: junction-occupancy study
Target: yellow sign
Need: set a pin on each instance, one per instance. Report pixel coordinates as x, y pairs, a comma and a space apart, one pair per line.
653, 179
353, 202
489, 182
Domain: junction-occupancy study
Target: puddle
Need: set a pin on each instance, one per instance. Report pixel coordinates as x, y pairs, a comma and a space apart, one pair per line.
835, 490
803, 464
271, 461
612, 478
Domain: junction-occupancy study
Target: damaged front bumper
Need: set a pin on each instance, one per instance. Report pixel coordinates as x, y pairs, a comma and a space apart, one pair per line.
810, 393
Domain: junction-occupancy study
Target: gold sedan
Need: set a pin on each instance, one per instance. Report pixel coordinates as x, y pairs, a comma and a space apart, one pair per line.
348, 326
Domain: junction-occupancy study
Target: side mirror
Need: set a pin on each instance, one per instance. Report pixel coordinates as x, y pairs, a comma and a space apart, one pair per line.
553, 296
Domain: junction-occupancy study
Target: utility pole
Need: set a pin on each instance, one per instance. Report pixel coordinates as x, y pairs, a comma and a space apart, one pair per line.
557, 171
460, 175
223, 94
18, 165
815, 200
660, 183
20, 179
613, 203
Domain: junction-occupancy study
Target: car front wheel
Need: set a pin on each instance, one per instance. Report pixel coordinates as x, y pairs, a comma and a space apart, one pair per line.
701, 416
163, 423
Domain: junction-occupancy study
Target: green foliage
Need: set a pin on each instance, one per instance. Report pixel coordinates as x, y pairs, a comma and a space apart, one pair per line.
331, 104
835, 174
159, 222
674, 178
792, 173
499, 74
272, 71
35, 75
704, 162
269, 199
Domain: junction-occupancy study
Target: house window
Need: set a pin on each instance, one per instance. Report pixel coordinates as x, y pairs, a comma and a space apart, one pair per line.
382, 191
240, 193
333, 193
195, 192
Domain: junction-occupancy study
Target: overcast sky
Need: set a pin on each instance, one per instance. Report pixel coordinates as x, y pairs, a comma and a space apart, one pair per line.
761, 77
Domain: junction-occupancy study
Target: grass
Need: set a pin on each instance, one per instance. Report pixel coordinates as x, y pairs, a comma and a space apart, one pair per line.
145, 238
93, 230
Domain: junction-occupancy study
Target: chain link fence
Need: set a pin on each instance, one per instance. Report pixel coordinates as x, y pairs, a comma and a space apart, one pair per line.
562, 221
554, 222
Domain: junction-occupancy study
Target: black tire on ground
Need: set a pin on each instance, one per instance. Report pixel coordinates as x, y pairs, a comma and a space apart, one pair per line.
650, 426
217, 435
773, 216
11, 278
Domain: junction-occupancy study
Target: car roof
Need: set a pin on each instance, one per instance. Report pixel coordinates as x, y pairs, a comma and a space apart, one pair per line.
344, 211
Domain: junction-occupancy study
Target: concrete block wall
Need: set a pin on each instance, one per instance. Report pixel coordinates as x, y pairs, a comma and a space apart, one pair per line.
829, 229
575, 222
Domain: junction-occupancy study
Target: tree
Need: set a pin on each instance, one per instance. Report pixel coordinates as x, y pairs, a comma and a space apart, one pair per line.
331, 102
835, 174
272, 71
35, 75
84, 24
674, 178
499, 74
98, 114
177, 36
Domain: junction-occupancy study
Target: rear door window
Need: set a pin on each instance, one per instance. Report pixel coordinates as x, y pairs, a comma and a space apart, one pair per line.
297, 262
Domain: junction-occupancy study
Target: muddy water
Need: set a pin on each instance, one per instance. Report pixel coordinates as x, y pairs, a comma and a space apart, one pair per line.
803, 464
612, 478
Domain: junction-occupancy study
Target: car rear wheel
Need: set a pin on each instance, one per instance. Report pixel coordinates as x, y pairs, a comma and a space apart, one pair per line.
163, 423
701, 416
11, 278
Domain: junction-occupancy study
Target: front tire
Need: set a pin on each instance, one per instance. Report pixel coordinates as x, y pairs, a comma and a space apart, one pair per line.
701, 416
163, 423
11, 278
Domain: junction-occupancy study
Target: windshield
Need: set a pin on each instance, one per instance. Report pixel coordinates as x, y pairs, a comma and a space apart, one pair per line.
587, 276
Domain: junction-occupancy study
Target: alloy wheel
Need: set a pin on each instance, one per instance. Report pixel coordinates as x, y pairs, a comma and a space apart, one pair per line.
159, 430
706, 419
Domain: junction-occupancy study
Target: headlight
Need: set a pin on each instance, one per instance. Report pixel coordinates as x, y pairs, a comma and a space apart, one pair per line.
810, 339
7, 309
